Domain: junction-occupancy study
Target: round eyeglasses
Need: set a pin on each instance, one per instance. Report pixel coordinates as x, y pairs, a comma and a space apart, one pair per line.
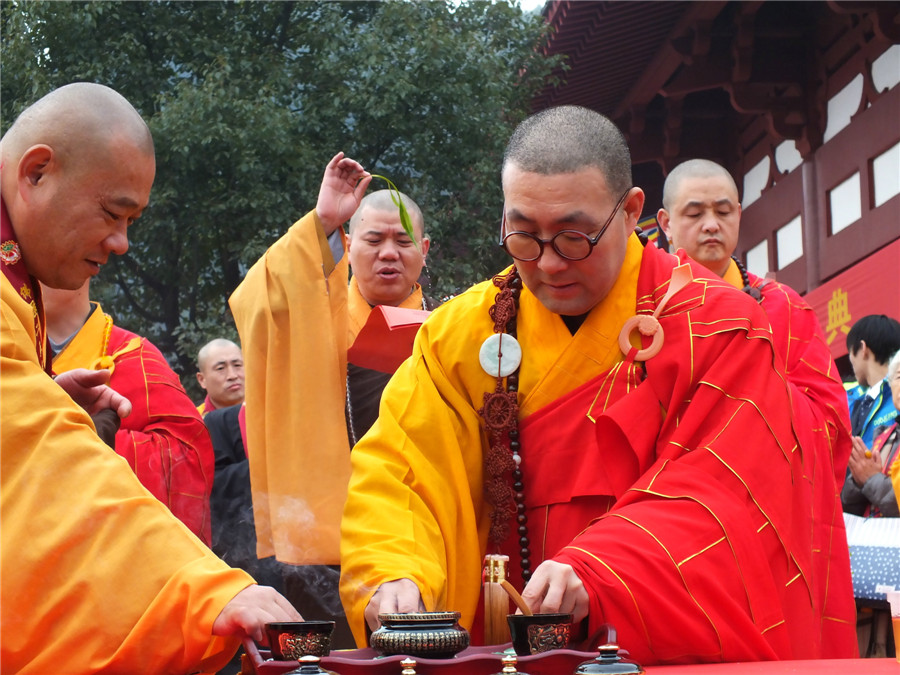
569, 244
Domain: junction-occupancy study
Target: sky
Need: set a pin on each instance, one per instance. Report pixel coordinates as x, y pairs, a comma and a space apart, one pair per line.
526, 5
529, 5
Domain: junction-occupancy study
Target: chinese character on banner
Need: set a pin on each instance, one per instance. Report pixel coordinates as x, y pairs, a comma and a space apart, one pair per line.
838, 315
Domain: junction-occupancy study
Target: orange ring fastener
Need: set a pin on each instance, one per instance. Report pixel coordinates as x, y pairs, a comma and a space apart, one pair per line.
647, 325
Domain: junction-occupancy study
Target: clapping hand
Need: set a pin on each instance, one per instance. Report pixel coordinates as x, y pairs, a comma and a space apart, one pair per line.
863, 463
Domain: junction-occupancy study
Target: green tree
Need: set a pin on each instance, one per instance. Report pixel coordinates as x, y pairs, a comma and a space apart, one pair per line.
247, 101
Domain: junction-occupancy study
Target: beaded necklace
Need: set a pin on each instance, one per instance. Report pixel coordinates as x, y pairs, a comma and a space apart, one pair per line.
500, 412
752, 291
501, 418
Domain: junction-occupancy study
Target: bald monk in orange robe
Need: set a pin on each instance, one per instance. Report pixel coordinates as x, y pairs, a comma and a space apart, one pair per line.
301, 418
96, 575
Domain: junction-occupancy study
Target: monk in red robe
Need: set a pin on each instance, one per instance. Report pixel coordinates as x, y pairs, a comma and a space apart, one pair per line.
610, 417
701, 217
164, 438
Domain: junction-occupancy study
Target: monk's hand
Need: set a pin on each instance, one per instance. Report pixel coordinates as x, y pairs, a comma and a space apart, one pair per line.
400, 596
343, 186
88, 388
863, 467
248, 612
554, 587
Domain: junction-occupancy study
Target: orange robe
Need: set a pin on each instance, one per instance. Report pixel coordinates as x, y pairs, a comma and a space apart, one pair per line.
96, 575
680, 497
297, 316
164, 438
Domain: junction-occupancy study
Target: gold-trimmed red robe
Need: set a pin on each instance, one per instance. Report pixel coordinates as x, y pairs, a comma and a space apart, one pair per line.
820, 417
164, 438
691, 495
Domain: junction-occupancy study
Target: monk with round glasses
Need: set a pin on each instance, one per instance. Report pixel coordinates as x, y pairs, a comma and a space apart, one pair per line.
610, 418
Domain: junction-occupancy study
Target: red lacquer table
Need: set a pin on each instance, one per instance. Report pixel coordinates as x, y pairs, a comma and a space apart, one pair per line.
486, 661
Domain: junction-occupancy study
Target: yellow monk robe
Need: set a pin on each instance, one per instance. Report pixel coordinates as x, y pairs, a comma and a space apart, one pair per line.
296, 320
437, 533
96, 574
206, 406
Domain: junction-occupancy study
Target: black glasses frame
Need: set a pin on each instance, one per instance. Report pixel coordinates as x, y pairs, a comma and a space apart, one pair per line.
592, 241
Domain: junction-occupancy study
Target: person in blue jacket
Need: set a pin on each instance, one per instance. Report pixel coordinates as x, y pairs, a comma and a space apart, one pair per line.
871, 343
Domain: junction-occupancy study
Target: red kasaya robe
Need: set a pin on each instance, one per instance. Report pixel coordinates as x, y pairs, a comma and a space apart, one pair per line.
821, 418
681, 497
164, 438
707, 559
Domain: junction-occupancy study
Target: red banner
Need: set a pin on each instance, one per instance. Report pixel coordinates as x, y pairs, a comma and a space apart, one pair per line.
871, 286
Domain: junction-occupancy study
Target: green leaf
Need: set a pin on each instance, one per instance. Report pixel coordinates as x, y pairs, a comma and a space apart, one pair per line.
405, 220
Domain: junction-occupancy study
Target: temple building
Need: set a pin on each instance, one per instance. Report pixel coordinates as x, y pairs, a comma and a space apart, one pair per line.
798, 100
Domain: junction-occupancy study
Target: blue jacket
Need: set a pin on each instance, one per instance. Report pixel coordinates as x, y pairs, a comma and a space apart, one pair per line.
882, 413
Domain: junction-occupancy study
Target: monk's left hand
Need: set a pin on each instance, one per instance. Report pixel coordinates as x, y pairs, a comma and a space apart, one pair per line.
554, 587
88, 388
248, 612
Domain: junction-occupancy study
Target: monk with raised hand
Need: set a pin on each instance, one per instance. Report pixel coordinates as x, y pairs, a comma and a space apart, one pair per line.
308, 403
97, 575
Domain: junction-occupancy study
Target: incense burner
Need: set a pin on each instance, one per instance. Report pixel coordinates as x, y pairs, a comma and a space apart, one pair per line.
435, 635
291, 640
540, 632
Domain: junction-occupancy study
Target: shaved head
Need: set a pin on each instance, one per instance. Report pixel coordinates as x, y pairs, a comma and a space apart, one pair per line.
382, 200
78, 166
220, 367
213, 346
567, 139
76, 118
385, 261
701, 213
693, 168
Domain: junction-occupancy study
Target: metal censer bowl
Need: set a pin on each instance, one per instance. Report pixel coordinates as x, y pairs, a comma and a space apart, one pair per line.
290, 640
434, 635
539, 633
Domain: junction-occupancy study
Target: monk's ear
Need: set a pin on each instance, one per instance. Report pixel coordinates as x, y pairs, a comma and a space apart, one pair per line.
200, 381
34, 165
662, 217
634, 204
